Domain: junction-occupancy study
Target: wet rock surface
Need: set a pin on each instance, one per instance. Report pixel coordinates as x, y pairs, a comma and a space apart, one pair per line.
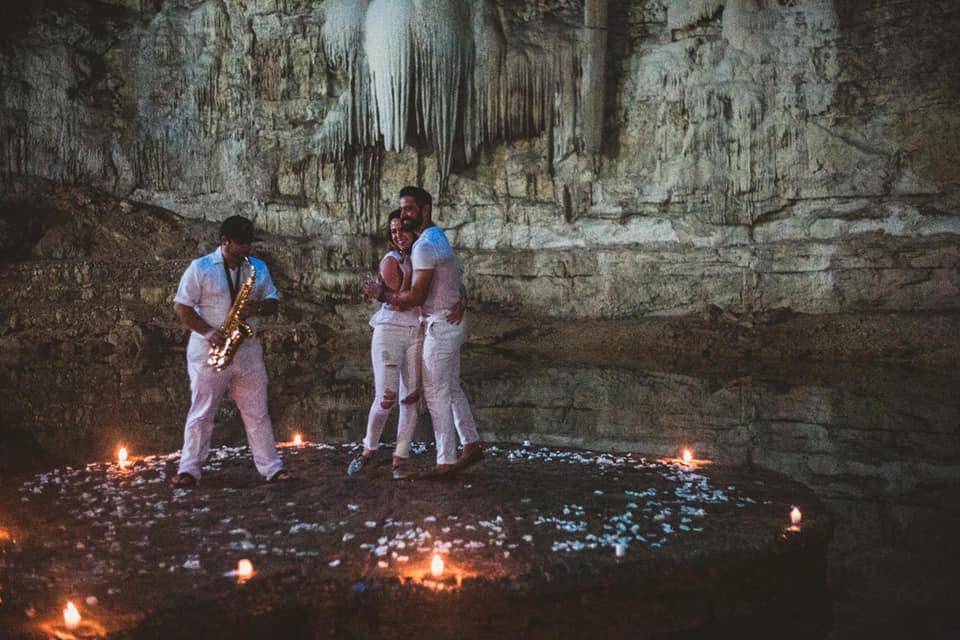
537, 541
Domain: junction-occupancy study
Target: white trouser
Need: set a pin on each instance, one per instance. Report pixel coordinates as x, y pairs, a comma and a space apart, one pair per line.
246, 377
395, 351
448, 405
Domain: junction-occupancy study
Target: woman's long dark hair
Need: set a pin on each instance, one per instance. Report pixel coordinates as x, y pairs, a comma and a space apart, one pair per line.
394, 215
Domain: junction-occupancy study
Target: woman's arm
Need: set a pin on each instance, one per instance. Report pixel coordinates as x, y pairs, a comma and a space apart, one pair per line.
391, 274
407, 280
414, 297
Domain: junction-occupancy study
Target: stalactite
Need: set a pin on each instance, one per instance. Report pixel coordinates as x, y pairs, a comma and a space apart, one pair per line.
365, 115
333, 137
687, 13
482, 122
342, 30
342, 36
151, 164
594, 73
358, 177
388, 48
444, 53
448, 67
566, 116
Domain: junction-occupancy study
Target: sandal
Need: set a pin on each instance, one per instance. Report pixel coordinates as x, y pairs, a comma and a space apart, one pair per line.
471, 454
360, 463
281, 476
183, 481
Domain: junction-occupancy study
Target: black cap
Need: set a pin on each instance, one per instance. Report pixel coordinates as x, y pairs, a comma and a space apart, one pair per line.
238, 229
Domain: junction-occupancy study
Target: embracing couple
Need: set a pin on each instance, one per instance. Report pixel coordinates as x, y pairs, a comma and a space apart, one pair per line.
417, 335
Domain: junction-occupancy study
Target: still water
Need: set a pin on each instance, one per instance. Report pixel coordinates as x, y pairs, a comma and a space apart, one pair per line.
879, 444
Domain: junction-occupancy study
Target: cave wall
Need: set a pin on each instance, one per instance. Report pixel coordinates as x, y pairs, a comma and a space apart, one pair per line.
757, 155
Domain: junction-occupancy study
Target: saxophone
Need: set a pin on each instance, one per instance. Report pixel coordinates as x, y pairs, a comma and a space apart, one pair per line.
233, 328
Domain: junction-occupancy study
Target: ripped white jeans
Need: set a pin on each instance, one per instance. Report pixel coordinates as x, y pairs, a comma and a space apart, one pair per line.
448, 405
395, 352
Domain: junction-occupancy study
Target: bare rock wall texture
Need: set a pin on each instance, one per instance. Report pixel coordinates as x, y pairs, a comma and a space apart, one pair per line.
757, 154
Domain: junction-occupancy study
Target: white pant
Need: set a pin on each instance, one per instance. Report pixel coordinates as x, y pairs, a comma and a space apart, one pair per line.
246, 377
448, 405
395, 352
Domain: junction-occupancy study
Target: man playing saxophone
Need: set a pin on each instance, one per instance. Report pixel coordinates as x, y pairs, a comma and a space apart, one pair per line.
204, 301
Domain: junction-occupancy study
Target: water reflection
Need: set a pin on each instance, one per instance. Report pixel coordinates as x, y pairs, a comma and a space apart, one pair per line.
879, 444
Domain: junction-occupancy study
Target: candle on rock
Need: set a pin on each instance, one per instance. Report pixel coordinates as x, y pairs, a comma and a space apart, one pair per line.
244, 569
687, 456
297, 440
71, 617
436, 566
795, 516
122, 457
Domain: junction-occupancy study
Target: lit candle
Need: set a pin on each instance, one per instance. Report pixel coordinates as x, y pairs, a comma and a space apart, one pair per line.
244, 569
795, 516
122, 457
71, 617
436, 565
687, 456
618, 550
297, 440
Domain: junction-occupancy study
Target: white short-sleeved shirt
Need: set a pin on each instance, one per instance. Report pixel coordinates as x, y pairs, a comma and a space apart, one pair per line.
204, 287
387, 314
432, 250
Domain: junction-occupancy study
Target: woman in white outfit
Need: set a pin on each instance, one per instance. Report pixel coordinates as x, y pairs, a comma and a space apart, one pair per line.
396, 353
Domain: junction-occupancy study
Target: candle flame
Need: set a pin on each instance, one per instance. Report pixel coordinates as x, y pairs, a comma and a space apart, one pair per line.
436, 565
297, 440
795, 516
122, 456
244, 568
71, 617
687, 456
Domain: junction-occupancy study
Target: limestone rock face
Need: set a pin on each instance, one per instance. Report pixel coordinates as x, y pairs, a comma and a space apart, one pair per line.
756, 155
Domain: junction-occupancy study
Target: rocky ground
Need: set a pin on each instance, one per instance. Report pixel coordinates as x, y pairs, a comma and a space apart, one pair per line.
537, 542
